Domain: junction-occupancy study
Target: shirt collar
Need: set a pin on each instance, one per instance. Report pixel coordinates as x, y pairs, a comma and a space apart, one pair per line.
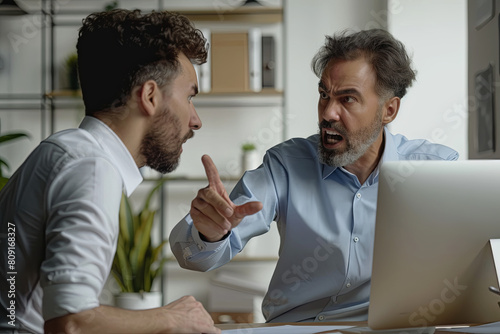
118, 152
327, 170
390, 149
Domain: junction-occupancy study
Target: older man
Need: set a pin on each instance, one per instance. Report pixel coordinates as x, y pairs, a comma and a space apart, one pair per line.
321, 191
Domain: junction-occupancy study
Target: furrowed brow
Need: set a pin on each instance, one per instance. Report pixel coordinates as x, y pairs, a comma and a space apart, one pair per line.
349, 91
322, 86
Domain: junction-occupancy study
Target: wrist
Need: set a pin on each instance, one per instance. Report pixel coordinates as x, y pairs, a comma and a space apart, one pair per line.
204, 238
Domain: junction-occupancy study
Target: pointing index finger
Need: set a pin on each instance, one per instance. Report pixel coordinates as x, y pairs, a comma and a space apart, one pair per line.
214, 182
211, 171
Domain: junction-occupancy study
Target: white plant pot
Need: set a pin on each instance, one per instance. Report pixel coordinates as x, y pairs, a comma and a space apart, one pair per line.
138, 301
250, 160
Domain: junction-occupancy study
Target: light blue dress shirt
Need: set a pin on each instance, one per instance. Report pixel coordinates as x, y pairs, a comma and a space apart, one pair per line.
63, 203
325, 219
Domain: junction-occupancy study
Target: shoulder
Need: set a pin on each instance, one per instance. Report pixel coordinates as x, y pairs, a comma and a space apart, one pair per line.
421, 149
293, 156
75, 142
297, 148
76, 152
58, 151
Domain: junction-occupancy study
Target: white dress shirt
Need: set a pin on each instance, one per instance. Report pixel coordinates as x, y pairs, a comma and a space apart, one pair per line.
63, 203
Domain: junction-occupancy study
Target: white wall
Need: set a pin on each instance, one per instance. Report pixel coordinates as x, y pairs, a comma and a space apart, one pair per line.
435, 32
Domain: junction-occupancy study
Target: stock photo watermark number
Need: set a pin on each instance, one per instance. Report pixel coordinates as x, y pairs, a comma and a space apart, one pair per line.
11, 273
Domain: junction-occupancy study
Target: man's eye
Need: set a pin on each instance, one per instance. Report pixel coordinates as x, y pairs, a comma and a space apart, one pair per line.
349, 99
323, 95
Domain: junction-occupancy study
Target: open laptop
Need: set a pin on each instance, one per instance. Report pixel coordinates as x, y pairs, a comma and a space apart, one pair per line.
433, 262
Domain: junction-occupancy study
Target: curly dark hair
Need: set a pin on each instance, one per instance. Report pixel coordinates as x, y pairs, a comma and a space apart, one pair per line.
387, 56
121, 49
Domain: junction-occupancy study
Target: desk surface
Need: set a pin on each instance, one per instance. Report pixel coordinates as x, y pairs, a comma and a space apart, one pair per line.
318, 324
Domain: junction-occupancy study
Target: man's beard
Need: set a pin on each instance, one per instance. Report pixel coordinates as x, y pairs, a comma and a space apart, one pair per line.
162, 145
356, 143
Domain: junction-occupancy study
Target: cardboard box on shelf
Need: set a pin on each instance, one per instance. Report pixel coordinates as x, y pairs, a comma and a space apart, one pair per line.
229, 58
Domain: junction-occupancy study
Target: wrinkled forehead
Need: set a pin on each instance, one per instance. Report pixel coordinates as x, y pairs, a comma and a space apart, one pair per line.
344, 72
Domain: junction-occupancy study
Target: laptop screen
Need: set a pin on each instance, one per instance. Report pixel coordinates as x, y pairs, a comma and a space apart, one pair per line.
432, 261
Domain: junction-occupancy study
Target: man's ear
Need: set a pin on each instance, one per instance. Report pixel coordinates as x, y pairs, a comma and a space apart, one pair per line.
391, 108
149, 97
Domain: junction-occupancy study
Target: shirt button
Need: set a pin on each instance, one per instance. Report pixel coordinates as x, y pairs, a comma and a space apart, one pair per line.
321, 317
356, 239
358, 195
348, 285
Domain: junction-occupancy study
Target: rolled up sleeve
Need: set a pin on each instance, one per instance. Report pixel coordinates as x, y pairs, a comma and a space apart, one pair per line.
81, 236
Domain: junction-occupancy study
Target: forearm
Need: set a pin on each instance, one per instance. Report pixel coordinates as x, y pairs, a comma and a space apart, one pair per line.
107, 319
185, 315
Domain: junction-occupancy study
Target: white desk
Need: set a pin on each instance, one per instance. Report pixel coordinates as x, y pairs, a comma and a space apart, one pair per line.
321, 327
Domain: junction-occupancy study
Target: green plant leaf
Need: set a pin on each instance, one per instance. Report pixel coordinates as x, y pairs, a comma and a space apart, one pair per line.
126, 221
155, 254
3, 163
116, 270
126, 270
142, 240
4, 139
11, 136
248, 147
3, 181
157, 251
136, 262
118, 277
151, 193
148, 281
71, 60
156, 271
111, 5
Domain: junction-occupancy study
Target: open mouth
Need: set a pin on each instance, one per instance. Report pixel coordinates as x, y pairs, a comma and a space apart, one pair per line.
331, 137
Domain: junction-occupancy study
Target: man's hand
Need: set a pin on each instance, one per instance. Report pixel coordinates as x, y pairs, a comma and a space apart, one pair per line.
187, 315
213, 213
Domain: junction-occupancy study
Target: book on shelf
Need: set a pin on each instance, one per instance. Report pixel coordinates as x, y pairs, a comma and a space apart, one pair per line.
255, 59
268, 62
230, 62
238, 62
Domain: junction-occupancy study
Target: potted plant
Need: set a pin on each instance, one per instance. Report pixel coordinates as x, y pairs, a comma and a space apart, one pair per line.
72, 71
110, 6
137, 261
4, 139
250, 158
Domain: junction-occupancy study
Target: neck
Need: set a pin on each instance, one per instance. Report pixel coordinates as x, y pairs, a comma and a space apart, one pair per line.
365, 165
130, 131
